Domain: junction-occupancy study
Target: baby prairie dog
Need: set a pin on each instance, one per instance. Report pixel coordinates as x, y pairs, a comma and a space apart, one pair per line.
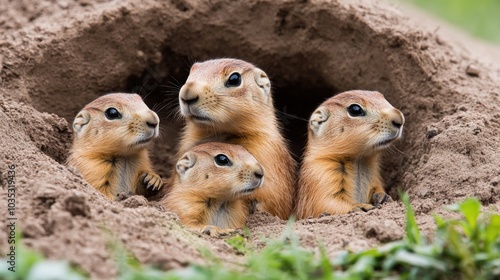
207, 189
110, 145
230, 101
340, 170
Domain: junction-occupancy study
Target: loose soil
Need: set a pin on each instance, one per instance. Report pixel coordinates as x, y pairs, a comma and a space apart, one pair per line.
58, 55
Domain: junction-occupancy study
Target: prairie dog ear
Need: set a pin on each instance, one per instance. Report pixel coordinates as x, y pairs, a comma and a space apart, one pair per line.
319, 116
185, 163
263, 82
81, 120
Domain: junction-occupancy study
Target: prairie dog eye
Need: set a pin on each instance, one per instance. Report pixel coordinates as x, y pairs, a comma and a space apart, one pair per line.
112, 114
355, 110
222, 160
234, 80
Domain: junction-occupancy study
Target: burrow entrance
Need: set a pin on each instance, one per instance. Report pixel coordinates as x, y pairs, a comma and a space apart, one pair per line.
309, 53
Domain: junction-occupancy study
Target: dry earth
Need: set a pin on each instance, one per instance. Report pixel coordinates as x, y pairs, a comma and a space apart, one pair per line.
57, 55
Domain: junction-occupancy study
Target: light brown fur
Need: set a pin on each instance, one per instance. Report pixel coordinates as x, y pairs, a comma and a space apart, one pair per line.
340, 170
208, 197
241, 115
112, 155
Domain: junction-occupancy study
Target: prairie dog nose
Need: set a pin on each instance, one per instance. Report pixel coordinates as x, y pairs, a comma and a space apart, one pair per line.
190, 101
152, 119
396, 124
188, 94
258, 172
396, 117
400, 121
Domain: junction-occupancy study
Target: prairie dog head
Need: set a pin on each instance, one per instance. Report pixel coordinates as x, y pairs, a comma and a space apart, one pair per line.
225, 171
355, 122
224, 92
117, 123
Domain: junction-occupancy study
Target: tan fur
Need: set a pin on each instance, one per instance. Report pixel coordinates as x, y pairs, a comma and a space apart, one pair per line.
112, 155
241, 115
340, 170
208, 197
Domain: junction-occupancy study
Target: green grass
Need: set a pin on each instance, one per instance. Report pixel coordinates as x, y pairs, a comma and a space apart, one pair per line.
480, 18
464, 248
32, 266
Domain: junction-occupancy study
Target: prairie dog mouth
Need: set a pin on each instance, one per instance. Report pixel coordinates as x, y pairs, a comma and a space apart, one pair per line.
144, 141
147, 138
385, 143
188, 112
253, 187
202, 119
249, 190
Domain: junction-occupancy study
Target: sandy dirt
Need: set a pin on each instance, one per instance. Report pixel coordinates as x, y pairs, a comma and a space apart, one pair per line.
58, 55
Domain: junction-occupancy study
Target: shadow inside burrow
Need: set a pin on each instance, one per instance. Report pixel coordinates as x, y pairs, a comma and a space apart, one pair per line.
160, 87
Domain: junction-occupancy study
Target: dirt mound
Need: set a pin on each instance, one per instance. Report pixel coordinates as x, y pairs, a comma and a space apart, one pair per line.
56, 56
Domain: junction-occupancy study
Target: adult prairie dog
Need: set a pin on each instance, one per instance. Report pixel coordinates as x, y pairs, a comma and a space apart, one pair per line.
209, 185
110, 145
230, 101
340, 172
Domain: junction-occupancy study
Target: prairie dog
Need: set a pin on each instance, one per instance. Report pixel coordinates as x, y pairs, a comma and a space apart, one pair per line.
340, 172
230, 101
209, 185
110, 145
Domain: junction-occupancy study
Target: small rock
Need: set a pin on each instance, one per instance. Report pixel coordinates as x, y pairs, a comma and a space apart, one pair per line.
135, 201
439, 40
115, 209
472, 70
383, 232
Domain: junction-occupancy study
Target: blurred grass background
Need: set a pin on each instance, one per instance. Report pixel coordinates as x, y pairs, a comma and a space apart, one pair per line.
480, 18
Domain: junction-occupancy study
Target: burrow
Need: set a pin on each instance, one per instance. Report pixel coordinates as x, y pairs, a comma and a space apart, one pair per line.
310, 53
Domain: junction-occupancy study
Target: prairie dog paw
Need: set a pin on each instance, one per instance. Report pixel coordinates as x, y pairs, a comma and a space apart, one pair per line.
362, 207
151, 180
380, 198
217, 232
